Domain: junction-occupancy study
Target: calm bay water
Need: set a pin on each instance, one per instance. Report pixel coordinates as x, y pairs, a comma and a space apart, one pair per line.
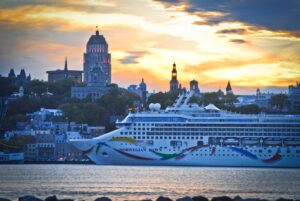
139, 182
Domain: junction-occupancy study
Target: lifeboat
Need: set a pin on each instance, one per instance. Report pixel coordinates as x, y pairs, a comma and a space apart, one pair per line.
292, 141
273, 141
231, 141
250, 141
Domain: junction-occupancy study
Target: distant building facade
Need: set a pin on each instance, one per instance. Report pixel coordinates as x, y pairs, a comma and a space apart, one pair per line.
174, 85
58, 75
194, 86
294, 95
52, 136
141, 90
21, 79
97, 69
263, 99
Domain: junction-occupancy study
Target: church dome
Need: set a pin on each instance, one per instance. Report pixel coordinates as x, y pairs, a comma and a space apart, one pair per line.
96, 39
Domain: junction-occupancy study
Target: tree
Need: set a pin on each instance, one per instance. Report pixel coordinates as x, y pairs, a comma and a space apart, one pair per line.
36, 87
248, 109
230, 99
7, 86
196, 99
279, 101
164, 99
213, 98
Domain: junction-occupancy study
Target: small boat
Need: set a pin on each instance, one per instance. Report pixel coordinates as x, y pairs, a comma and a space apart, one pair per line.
250, 141
292, 141
273, 141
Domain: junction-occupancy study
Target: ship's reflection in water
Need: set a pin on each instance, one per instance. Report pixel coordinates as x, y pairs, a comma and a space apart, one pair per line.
138, 182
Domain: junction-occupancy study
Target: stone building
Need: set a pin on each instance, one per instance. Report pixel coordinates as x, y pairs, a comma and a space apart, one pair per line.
21, 79
97, 69
194, 86
57, 75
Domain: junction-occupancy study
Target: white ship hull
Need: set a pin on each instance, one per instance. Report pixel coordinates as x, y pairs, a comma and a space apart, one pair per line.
126, 151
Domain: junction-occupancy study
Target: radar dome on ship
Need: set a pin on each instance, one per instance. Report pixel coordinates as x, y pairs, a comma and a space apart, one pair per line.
154, 106
151, 106
157, 106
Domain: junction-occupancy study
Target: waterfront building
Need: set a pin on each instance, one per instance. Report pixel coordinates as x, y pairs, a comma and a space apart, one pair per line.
45, 145
174, 82
31, 153
52, 136
97, 69
14, 157
228, 88
294, 96
58, 75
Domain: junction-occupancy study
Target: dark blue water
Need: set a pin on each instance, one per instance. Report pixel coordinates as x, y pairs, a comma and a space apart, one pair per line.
135, 183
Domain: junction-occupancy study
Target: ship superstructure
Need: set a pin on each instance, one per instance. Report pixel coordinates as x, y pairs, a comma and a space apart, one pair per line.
188, 134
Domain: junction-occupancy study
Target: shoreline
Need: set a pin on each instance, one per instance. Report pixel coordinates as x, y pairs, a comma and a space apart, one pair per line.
160, 198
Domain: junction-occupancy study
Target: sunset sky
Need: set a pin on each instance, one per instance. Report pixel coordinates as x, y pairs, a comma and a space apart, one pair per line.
254, 43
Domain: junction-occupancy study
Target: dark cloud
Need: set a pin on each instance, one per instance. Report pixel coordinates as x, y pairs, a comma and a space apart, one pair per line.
133, 57
232, 31
270, 14
239, 41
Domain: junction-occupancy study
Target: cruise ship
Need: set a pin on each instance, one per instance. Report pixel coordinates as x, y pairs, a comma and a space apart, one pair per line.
186, 134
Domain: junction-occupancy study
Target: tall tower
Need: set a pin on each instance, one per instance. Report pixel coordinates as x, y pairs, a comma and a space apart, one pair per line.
194, 86
97, 62
174, 81
66, 69
228, 88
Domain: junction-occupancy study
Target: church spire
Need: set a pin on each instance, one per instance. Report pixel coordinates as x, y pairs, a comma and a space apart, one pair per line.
228, 88
66, 64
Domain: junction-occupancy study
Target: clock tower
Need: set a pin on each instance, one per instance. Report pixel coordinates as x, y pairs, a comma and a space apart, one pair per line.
174, 81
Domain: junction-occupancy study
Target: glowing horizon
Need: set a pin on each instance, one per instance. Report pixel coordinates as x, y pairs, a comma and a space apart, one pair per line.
145, 38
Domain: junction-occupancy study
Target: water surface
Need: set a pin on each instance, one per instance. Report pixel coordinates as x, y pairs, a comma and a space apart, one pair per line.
139, 182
